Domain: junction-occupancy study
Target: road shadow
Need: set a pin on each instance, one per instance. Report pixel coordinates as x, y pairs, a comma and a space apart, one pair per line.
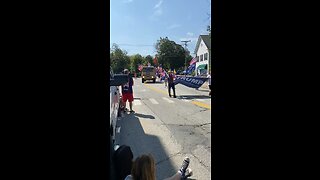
204, 90
144, 116
151, 82
193, 97
132, 134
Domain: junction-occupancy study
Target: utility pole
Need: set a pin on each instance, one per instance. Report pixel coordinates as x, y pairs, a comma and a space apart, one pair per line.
185, 59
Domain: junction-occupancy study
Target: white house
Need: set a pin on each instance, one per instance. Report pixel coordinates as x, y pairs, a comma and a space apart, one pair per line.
203, 54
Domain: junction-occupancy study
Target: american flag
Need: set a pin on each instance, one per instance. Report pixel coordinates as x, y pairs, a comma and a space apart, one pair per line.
155, 60
140, 67
193, 61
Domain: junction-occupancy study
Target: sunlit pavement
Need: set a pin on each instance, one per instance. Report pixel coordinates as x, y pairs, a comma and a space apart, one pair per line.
169, 128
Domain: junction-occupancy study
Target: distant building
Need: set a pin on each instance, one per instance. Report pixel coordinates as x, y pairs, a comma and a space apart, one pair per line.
203, 54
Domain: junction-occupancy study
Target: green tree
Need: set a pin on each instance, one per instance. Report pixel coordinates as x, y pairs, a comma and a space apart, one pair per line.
119, 60
135, 61
170, 54
188, 58
149, 58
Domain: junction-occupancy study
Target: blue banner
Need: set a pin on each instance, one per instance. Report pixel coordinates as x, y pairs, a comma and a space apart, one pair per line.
192, 82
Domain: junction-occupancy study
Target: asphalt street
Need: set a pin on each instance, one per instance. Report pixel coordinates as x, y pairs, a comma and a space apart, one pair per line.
169, 128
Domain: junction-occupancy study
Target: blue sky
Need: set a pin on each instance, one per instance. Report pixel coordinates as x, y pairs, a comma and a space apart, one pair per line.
136, 25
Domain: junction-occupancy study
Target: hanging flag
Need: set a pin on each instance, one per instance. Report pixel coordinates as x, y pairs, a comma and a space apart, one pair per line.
193, 61
155, 60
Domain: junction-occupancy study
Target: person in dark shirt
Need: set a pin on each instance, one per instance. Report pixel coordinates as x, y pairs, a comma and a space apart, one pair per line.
123, 159
127, 91
171, 84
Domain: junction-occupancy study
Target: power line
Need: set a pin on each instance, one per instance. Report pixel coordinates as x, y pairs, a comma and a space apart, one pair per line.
139, 45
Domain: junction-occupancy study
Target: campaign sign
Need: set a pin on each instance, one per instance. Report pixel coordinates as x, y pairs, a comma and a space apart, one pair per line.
192, 82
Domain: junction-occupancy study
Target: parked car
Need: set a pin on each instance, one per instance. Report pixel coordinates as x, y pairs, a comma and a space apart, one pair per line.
116, 80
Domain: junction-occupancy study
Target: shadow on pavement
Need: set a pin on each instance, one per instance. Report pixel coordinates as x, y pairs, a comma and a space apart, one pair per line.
144, 116
132, 134
193, 97
150, 82
204, 90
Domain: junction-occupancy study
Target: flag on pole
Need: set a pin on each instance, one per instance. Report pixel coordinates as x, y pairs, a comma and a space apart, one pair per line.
155, 61
191, 68
192, 82
193, 61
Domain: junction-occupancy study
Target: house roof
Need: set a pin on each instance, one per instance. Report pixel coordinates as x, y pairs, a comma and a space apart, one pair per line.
207, 41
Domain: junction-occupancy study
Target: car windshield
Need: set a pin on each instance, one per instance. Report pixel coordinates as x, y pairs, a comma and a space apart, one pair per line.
148, 69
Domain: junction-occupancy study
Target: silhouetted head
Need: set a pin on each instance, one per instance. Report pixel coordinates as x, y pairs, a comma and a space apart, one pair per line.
123, 158
126, 71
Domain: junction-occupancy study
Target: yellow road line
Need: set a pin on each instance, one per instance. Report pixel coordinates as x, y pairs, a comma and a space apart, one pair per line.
204, 105
201, 104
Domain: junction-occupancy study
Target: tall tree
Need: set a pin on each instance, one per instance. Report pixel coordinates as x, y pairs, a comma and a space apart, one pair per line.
170, 54
118, 59
135, 61
149, 59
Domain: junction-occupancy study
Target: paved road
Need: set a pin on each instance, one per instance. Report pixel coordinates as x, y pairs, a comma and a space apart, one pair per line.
169, 128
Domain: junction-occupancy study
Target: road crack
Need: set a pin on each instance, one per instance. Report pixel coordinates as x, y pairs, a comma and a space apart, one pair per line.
205, 166
166, 159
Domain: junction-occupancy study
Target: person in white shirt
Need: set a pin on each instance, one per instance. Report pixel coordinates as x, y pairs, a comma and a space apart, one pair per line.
209, 82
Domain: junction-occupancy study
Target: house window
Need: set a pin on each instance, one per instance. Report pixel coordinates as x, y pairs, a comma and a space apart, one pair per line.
197, 58
206, 56
201, 57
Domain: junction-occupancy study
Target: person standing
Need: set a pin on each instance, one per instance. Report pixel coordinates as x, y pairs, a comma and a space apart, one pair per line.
171, 84
165, 78
127, 91
209, 82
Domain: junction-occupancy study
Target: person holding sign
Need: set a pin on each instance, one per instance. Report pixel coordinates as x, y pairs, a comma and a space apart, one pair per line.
171, 84
209, 82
